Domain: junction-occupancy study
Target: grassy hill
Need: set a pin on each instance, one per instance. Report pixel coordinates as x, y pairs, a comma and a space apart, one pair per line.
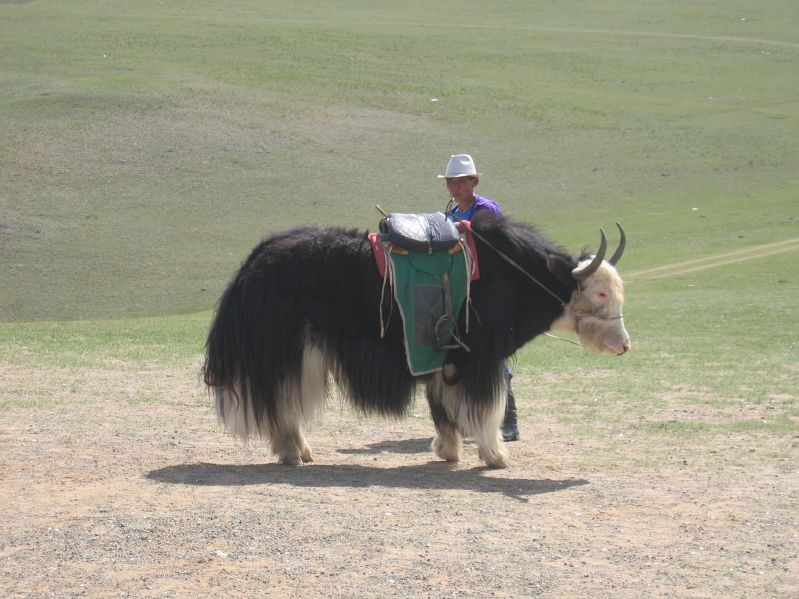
146, 146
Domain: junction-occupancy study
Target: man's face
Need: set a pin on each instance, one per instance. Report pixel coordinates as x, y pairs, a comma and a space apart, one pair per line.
461, 188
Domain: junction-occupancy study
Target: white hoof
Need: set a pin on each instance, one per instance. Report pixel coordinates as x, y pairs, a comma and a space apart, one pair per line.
447, 449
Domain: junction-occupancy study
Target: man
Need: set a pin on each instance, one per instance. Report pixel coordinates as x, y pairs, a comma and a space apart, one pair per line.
462, 177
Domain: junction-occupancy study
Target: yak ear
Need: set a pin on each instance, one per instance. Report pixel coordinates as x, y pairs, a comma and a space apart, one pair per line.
559, 266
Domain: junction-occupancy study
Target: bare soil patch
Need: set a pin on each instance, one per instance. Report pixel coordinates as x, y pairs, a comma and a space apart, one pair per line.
119, 483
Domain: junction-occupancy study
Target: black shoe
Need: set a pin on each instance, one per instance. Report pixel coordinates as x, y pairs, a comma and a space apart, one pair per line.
510, 431
509, 428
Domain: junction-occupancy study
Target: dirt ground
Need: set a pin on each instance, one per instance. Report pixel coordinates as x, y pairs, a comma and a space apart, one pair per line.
119, 483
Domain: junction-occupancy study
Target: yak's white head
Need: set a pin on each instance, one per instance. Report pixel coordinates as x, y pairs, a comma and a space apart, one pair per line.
594, 311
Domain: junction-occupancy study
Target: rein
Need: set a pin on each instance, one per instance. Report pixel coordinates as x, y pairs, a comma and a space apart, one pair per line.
513, 263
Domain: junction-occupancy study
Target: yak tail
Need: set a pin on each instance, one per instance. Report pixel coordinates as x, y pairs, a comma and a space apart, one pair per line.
264, 377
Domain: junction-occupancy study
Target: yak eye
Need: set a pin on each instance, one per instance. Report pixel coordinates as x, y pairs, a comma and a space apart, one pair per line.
602, 295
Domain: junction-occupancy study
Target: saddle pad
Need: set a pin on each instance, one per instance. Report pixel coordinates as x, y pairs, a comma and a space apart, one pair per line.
427, 287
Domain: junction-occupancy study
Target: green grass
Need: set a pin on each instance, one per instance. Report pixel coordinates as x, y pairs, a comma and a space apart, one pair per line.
145, 147
714, 354
133, 343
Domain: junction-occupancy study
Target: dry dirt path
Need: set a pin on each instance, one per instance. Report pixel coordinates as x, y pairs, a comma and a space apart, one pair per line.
121, 484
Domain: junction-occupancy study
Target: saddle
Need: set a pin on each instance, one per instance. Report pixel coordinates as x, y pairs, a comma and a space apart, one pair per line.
428, 262
402, 234
427, 233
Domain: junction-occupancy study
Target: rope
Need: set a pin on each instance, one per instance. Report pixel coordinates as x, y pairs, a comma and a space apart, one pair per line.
562, 339
512, 262
387, 275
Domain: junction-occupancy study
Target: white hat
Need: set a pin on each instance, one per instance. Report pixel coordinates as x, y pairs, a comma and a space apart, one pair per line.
460, 165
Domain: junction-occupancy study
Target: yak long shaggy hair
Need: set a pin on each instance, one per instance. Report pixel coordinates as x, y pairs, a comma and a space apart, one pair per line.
305, 306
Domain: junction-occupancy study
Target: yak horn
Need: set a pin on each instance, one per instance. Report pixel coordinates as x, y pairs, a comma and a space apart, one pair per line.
586, 271
619, 250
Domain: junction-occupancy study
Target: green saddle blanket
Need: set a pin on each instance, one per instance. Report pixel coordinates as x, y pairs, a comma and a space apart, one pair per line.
429, 289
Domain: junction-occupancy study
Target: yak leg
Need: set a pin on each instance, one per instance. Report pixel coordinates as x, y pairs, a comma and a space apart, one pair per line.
286, 439
453, 416
285, 436
447, 444
291, 447
305, 450
491, 448
487, 432
301, 402
284, 445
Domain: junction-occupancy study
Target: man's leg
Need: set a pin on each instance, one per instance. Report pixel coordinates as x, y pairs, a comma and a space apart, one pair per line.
510, 426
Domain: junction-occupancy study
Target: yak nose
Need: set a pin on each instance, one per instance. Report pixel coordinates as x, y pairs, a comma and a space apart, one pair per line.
624, 349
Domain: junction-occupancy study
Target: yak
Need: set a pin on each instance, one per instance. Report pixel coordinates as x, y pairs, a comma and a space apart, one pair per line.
305, 308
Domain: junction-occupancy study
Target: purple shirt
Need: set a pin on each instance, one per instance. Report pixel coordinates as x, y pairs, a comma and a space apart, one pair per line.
480, 203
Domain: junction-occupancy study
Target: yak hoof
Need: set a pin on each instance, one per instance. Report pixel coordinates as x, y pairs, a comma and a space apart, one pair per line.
447, 448
295, 458
498, 463
494, 459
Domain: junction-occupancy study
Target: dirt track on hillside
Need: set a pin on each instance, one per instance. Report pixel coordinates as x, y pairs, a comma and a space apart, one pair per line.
697, 264
122, 485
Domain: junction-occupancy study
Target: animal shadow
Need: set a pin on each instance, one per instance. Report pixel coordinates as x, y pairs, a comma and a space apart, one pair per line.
402, 446
436, 476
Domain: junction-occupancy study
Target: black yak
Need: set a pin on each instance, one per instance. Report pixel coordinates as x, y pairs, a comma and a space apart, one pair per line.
305, 307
